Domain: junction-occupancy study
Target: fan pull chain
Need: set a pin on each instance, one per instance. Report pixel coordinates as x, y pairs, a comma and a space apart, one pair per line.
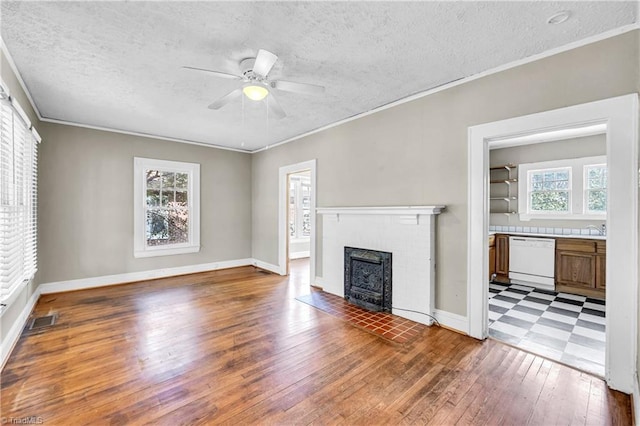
268, 117
244, 130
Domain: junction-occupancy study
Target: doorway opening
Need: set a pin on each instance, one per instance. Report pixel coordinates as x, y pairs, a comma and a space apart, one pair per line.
296, 216
547, 229
620, 116
299, 215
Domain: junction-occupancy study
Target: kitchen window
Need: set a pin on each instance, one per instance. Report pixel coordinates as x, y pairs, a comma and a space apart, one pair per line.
166, 209
563, 189
595, 198
549, 190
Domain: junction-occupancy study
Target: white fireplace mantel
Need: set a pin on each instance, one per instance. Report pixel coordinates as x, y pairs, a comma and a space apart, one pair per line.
391, 210
408, 215
407, 232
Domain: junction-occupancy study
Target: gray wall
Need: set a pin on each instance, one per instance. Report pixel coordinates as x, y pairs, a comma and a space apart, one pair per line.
416, 153
588, 146
86, 203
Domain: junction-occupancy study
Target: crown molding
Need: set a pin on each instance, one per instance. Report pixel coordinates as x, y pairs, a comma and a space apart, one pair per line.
13, 67
551, 52
142, 135
570, 46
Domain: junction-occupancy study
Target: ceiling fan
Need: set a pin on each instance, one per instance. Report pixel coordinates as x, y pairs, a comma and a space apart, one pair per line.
256, 83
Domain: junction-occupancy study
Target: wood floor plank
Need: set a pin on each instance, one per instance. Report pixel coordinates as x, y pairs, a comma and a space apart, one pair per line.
235, 347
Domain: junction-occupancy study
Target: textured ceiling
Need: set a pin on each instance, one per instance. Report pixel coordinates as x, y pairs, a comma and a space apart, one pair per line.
118, 64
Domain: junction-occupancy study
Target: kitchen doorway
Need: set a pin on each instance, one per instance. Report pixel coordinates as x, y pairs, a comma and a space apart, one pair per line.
620, 115
547, 210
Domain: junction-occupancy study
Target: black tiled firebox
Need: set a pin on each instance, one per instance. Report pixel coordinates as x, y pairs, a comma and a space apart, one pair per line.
367, 278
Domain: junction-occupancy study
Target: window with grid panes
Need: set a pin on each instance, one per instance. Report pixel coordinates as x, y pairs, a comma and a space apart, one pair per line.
549, 190
573, 188
300, 207
595, 197
167, 207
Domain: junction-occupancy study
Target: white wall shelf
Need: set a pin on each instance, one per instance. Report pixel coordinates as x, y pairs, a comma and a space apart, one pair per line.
500, 202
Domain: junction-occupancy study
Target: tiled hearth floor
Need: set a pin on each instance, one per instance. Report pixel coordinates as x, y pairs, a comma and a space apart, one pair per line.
392, 327
560, 326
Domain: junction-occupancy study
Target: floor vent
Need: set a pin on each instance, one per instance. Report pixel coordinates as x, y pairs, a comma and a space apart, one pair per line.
41, 322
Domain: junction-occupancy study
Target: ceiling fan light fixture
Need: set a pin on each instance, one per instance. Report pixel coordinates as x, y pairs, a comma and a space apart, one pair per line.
255, 92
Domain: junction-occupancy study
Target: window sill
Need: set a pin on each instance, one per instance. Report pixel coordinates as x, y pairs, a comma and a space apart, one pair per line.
166, 251
13, 296
528, 217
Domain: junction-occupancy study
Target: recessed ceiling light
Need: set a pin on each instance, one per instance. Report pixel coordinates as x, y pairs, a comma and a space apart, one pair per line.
559, 18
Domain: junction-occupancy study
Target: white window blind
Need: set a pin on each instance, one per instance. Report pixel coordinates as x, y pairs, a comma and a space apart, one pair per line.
18, 201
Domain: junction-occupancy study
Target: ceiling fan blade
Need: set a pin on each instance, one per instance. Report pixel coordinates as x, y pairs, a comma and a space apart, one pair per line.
264, 62
274, 107
226, 99
305, 88
216, 73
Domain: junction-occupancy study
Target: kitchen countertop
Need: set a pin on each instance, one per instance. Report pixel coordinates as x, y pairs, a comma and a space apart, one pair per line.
530, 234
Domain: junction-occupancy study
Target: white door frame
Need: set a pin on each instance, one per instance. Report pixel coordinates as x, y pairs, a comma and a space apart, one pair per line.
620, 114
285, 171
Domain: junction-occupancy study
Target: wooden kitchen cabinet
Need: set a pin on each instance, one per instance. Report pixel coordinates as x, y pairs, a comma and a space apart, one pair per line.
502, 258
581, 266
576, 269
601, 265
492, 256
601, 272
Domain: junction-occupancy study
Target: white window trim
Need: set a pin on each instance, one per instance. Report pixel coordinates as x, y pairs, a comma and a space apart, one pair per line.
28, 236
527, 185
576, 194
585, 189
140, 248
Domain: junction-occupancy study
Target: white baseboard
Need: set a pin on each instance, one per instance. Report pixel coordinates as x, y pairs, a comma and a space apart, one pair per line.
453, 321
450, 320
299, 255
413, 316
107, 280
11, 338
635, 397
319, 281
268, 266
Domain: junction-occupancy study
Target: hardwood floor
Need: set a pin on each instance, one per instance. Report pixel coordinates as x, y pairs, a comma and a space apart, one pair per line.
235, 347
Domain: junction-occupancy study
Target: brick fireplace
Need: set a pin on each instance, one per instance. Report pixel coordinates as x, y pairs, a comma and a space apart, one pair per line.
406, 233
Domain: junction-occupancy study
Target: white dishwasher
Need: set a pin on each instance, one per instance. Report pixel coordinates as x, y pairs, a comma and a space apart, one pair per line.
532, 261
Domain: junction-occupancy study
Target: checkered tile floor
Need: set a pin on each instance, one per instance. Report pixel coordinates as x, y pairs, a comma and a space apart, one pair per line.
560, 326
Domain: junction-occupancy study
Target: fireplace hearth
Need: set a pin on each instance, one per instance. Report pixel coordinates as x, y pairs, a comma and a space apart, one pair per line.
367, 278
